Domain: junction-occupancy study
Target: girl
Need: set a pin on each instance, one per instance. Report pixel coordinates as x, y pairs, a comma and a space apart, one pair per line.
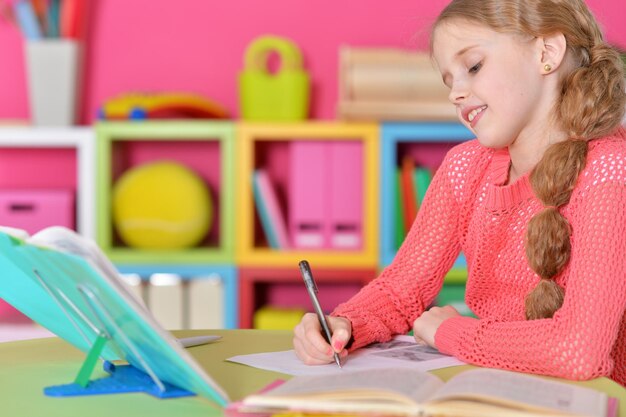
537, 203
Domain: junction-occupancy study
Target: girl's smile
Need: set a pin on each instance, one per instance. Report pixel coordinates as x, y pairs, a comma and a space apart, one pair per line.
473, 114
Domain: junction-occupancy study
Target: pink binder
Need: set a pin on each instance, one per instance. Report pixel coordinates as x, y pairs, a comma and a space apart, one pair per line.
308, 194
346, 195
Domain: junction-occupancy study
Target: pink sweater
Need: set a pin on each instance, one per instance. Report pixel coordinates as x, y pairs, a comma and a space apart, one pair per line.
468, 208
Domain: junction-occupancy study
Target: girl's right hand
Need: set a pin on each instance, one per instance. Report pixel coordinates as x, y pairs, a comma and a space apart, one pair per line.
311, 346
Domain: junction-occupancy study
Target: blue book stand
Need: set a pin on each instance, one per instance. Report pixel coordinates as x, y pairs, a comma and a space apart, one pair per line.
122, 378
65, 284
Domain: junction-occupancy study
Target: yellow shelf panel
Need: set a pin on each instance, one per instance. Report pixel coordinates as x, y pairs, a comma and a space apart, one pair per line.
248, 134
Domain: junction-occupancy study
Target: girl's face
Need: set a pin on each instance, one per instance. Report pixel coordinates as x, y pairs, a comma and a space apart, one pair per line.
495, 81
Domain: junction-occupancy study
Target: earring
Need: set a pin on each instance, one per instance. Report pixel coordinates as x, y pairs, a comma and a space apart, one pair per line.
547, 68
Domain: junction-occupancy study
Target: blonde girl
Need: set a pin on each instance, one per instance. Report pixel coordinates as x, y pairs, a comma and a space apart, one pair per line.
537, 203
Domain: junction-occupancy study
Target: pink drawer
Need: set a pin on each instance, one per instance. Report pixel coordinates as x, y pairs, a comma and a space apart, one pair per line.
33, 210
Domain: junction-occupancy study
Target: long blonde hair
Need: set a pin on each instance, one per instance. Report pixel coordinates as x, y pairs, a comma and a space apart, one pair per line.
591, 105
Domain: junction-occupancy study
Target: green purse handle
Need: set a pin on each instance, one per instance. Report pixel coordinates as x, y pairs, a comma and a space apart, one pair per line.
258, 51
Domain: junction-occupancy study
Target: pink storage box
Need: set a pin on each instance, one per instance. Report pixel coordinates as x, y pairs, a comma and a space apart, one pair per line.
33, 210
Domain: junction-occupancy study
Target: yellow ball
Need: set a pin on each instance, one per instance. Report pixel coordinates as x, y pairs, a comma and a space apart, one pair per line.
161, 205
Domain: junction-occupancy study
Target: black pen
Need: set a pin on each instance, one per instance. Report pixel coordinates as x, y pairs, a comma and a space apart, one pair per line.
312, 289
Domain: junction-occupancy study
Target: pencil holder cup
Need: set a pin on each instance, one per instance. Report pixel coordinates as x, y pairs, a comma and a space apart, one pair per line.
53, 80
279, 96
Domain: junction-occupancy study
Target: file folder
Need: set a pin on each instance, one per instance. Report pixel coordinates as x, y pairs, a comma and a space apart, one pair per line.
346, 195
308, 194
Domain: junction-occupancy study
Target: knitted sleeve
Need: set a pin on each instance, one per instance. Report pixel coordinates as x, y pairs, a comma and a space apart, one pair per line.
577, 342
390, 304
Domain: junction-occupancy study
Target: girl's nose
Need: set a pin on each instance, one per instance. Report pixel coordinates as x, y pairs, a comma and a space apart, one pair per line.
458, 92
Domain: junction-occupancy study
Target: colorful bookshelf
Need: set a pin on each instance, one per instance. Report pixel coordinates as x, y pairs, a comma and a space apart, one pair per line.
426, 144
205, 146
283, 149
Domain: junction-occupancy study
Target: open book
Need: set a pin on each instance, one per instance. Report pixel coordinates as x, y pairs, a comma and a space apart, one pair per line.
408, 392
63, 281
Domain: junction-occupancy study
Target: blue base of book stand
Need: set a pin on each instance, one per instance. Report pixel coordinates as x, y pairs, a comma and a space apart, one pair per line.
123, 378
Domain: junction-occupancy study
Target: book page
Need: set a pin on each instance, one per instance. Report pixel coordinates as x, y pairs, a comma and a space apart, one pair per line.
17, 233
529, 391
66, 240
415, 385
383, 389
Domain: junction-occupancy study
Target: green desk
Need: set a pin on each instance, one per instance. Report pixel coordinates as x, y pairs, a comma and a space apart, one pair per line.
26, 367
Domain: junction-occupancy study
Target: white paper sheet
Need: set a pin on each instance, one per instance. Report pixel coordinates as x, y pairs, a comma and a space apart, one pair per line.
402, 351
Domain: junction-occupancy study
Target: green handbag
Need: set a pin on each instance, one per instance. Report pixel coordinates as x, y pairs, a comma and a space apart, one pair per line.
281, 96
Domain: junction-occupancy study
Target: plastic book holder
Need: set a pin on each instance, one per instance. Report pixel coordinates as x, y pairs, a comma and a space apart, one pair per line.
122, 378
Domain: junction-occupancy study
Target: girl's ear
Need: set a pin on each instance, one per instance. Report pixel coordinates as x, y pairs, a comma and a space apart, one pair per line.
553, 48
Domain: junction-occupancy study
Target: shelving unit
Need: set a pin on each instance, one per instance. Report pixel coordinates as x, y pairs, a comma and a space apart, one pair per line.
267, 145
206, 147
250, 274
52, 159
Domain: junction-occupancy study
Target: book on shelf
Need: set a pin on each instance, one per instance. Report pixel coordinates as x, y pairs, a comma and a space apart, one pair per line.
64, 282
206, 299
421, 178
409, 198
166, 300
269, 211
410, 186
399, 228
408, 392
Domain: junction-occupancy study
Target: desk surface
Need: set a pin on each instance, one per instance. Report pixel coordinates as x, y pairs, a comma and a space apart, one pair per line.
26, 367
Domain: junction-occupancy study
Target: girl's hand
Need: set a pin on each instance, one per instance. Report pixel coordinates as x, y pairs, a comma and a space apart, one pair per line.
426, 325
311, 346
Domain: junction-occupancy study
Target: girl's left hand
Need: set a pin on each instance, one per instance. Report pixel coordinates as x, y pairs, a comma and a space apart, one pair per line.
426, 325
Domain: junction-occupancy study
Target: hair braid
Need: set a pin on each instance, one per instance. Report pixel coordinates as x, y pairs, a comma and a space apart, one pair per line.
548, 235
591, 105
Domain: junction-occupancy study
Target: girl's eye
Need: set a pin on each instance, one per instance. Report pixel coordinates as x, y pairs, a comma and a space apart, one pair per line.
475, 68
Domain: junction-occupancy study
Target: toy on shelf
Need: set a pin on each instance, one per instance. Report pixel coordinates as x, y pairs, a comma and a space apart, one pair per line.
280, 96
136, 106
277, 318
391, 84
161, 205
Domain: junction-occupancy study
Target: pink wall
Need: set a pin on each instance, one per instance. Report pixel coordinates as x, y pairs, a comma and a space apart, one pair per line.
198, 45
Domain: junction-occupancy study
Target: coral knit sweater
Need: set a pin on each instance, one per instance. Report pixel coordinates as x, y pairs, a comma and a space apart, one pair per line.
469, 207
